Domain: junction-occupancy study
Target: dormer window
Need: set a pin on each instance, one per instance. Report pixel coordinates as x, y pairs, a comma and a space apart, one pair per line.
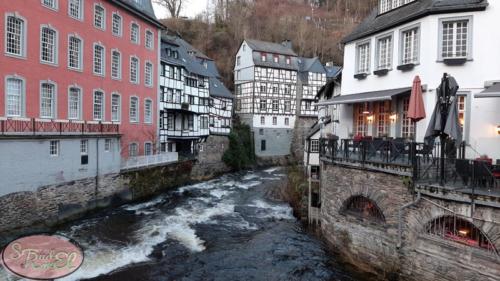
288, 60
276, 59
263, 57
388, 5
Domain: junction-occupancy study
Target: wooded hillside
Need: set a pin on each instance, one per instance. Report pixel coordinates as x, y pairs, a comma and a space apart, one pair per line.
315, 29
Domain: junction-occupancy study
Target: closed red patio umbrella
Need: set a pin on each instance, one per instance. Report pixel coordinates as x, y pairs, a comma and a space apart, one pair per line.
416, 109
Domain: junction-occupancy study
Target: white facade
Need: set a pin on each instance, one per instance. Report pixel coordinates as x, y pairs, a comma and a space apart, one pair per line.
480, 115
221, 114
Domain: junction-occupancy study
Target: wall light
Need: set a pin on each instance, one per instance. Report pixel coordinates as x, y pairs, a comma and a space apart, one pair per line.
370, 118
498, 129
393, 117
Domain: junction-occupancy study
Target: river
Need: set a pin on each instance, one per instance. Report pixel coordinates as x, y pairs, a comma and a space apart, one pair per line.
222, 229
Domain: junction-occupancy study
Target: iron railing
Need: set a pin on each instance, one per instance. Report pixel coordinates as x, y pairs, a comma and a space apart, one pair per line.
149, 160
33, 126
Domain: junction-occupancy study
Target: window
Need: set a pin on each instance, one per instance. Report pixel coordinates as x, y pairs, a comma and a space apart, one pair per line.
84, 147
263, 105
48, 45
288, 106
263, 89
462, 108
133, 114
99, 17
75, 48
276, 59
116, 107
116, 65
134, 33
238, 61
275, 121
455, 39
54, 148
363, 58
117, 26
15, 92
134, 67
314, 146
148, 74
388, 5
263, 57
75, 9
383, 112
149, 39
170, 121
98, 106
261, 132
276, 105
363, 208
15, 36
74, 103
99, 60
384, 53
132, 150
148, 148
287, 121
410, 46
107, 145
52, 4
407, 126
204, 122
288, 60
191, 100
190, 120
47, 100
360, 125
263, 145
263, 120
307, 105
148, 111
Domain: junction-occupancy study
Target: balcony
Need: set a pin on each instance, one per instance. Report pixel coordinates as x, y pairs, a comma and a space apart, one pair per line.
37, 127
139, 162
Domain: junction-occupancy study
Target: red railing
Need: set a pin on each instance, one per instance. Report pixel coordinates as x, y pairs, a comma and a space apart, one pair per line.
34, 126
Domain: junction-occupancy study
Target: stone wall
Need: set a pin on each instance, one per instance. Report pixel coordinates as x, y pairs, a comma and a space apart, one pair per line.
209, 162
372, 246
302, 127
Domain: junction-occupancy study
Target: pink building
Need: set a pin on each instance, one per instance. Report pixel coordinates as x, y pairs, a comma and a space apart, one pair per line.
82, 61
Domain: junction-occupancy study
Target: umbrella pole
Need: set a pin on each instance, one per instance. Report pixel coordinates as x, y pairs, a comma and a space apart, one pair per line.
444, 112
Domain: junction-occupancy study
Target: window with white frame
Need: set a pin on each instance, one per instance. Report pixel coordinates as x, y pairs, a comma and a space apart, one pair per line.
84, 147
15, 36
134, 33
98, 106
149, 39
134, 67
99, 17
388, 5
99, 59
275, 121
54, 148
148, 74
407, 126
455, 38
47, 100
74, 103
148, 148
116, 64
263, 120
148, 111
48, 45
363, 58
115, 107
133, 110
107, 145
133, 150
383, 122
75, 9
117, 26
276, 105
288, 106
384, 52
15, 93
410, 46
287, 121
75, 51
314, 146
52, 4
263, 105
170, 121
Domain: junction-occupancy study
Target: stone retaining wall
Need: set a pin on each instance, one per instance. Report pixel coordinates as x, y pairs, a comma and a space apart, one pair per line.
372, 246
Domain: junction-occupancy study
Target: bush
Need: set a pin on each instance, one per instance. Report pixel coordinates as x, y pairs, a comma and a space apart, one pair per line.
240, 154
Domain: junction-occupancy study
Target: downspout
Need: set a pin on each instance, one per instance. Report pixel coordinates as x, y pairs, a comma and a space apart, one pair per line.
400, 217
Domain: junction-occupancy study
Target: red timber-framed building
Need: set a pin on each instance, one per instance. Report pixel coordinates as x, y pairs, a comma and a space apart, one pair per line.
79, 88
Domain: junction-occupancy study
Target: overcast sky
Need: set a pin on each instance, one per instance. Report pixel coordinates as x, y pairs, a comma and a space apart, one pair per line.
192, 8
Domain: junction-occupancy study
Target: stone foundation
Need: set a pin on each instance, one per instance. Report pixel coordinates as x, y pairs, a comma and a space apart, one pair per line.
372, 246
302, 127
209, 162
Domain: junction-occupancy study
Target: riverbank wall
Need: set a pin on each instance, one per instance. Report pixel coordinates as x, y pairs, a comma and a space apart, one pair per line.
360, 220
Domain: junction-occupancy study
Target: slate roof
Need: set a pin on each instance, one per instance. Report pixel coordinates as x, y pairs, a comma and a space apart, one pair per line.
311, 65
217, 89
333, 72
270, 47
142, 8
375, 23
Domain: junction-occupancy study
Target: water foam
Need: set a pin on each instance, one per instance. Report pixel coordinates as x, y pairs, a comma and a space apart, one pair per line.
281, 211
248, 184
272, 170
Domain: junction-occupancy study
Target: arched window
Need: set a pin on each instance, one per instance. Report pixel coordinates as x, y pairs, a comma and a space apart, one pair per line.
364, 208
461, 231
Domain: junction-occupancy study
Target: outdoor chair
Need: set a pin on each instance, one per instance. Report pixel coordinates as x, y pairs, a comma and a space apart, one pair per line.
483, 176
463, 170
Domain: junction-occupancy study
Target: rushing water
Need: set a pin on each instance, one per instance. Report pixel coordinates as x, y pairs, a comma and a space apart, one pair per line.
223, 229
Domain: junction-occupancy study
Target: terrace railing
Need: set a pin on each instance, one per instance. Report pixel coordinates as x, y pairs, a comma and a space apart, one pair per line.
33, 126
149, 160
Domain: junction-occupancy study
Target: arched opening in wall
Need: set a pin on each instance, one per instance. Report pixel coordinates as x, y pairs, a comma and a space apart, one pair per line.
364, 208
461, 231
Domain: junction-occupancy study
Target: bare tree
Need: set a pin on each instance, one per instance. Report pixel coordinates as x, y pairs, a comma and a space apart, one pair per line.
174, 7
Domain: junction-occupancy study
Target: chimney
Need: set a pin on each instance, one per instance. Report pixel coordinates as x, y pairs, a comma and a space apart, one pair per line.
287, 43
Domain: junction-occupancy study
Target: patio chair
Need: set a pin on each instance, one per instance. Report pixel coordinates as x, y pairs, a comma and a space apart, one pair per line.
483, 176
463, 170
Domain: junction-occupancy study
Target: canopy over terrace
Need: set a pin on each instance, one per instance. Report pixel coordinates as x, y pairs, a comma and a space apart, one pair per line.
491, 92
385, 95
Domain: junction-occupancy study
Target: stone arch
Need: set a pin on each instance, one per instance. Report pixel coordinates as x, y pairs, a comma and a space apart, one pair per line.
363, 207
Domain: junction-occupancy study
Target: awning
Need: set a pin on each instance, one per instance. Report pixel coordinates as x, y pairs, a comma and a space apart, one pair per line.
491, 92
367, 97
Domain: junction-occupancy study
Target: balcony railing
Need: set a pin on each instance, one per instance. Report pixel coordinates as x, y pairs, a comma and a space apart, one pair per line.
25, 126
149, 160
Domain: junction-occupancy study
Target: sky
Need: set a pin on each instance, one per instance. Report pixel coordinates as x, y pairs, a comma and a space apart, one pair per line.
192, 8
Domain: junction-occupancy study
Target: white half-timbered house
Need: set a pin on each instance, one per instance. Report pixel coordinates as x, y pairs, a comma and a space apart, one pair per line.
221, 103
